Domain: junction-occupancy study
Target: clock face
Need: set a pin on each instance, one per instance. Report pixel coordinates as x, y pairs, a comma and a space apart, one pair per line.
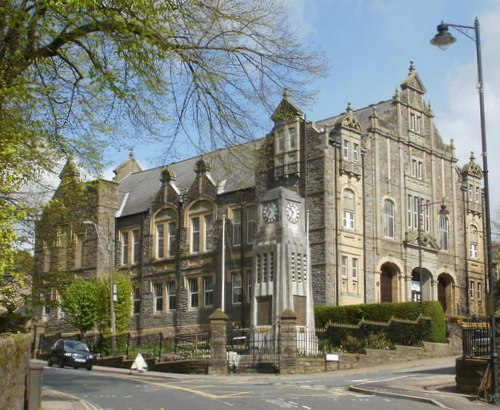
270, 212
292, 212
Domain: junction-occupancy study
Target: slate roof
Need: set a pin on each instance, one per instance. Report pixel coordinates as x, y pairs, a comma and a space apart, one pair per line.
232, 169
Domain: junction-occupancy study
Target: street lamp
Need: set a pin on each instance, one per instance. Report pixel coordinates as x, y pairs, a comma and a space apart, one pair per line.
421, 207
108, 250
443, 39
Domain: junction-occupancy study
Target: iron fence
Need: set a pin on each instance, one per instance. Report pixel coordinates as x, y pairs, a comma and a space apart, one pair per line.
476, 339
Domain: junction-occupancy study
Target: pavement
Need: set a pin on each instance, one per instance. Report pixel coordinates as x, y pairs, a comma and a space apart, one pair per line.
435, 388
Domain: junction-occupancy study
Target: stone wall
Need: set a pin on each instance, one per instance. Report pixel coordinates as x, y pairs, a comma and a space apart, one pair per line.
14, 367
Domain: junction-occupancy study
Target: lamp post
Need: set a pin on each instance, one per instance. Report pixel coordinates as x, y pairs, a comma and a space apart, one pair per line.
421, 207
443, 39
108, 250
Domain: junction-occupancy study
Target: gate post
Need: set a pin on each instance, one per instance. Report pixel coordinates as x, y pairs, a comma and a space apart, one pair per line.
288, 342
218, 335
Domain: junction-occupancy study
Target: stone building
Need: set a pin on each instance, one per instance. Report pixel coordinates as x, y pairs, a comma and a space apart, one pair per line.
367, 206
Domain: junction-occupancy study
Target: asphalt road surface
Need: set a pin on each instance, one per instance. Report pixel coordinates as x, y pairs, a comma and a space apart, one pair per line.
110, 391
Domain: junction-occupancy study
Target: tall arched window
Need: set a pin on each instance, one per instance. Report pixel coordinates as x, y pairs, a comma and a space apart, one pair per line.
201, 227
388, 218
444, 230
166, 233
473, 242
349, 207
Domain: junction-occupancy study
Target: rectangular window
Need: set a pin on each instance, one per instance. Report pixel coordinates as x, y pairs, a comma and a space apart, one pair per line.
354, 271
349, 219
388, 219
417, 168
344, 267
355, 152
137, 246
195, 234
281, 141
172, 238
251, 224
160, 241
158, 289
345, 149
415, 122
293, 137
472, 288
478, 194
125, 248
236, 226
479, 291
136, 299
208, 289
193, 293
473, 250
443, 227
236, 288
172, 295
209, 232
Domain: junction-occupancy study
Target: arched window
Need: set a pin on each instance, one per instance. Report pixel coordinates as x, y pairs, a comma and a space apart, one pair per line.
349, 206
388, 218
166, 233
444, 230
201, 227
473, 242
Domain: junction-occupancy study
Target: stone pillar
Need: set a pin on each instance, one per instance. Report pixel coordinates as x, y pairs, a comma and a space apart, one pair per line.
37, 331
288, 343
218, 341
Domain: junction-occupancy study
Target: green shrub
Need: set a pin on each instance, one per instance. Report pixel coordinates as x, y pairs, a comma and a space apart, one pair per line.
433, 330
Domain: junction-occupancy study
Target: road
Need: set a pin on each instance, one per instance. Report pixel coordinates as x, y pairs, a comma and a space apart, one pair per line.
105, 390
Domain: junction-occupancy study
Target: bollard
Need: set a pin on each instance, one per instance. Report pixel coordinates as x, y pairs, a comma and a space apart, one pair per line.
35, 386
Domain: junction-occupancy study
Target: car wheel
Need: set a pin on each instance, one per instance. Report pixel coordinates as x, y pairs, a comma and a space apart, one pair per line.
75, 367
89, 368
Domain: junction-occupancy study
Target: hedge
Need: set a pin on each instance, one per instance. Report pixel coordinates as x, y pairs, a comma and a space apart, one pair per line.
383, 312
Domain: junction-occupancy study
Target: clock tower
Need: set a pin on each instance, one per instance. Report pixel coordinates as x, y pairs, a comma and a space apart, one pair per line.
281, 260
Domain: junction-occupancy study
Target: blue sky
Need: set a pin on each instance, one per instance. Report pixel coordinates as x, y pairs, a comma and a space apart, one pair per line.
370, 44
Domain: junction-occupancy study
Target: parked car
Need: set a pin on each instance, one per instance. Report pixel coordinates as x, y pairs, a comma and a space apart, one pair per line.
71, 353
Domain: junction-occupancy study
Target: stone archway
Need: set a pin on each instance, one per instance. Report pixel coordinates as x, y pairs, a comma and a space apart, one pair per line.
445, 292
421, 285
389, 283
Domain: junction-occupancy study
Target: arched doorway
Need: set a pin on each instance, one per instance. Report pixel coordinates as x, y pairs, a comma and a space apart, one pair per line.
388, 283
421, 285
445, 292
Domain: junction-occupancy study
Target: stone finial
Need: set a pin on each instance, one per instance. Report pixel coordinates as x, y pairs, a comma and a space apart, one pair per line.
167, 175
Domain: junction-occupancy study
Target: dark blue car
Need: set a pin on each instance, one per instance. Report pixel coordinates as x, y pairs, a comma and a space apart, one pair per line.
71, 353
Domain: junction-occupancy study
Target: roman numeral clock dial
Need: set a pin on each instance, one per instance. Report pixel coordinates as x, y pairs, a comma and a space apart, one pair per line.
270, 212
293, 212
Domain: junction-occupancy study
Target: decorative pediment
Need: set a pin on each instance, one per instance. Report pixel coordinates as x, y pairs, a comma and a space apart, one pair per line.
286, 110
348, 120
426, 240
413, 81
472, 169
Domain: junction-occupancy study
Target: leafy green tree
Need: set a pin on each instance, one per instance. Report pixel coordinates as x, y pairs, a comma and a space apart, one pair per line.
123, 305
79, 75
84, 301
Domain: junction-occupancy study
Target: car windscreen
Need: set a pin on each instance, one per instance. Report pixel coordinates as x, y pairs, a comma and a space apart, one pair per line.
74, 345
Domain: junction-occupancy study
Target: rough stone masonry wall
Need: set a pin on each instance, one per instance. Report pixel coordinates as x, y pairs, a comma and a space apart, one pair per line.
14, 367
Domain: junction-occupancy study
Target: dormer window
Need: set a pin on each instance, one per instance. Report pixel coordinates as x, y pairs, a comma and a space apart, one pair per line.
345, 149
355, 152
